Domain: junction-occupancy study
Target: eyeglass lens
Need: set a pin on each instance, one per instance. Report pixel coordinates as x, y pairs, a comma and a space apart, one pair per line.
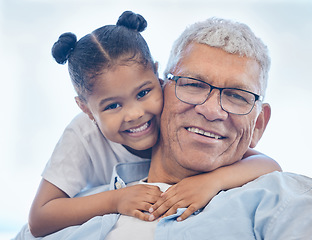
196, 92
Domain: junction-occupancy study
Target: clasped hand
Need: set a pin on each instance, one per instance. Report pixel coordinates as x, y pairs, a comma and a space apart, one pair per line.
190, 193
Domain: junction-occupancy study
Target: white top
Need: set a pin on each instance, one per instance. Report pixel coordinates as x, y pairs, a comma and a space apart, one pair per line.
84, 158
133, 228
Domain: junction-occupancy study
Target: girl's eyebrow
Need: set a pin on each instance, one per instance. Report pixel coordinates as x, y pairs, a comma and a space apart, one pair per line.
103, 101
144, 84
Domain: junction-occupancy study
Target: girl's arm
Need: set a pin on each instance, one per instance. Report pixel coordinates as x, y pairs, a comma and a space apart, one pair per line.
196, 192
53, 210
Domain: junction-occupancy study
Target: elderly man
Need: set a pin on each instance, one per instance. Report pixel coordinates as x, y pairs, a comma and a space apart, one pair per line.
216, 80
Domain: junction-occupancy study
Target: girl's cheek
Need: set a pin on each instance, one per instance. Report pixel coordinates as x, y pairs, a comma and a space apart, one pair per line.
158, 107
160, 102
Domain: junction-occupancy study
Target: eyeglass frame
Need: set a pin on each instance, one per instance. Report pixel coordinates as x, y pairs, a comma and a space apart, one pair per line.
176, 78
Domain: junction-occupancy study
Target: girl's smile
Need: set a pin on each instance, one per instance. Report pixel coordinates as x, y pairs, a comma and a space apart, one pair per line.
140, 130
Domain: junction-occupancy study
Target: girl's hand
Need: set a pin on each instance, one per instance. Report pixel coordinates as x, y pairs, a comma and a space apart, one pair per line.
196, 192
192, 193
136, 200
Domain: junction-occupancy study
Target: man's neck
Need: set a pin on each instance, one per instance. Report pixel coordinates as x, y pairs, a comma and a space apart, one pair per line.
164, 168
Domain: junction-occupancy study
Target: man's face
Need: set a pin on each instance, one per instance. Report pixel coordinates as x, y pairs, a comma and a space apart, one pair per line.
184, 127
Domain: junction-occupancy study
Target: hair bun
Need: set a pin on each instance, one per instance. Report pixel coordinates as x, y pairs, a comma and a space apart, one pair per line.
63, 47
132, 21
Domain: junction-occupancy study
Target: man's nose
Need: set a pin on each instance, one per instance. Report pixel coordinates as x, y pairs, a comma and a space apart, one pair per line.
211, 109
133, 113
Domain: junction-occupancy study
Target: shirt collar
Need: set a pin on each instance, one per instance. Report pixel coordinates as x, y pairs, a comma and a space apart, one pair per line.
124, 173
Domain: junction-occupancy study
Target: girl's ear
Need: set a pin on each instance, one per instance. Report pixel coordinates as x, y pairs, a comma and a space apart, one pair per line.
161, 82
261, 123
83, 106
156, 69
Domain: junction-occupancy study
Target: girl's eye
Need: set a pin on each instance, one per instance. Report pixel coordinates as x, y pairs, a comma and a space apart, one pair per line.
112, 106
143, 93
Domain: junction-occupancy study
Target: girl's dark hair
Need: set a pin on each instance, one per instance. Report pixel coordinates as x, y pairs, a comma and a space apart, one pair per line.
103, 49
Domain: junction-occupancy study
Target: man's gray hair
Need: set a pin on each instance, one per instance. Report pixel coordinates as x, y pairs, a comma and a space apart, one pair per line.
232, 37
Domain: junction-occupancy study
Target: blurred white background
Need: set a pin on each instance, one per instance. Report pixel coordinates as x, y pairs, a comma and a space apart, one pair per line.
37, 98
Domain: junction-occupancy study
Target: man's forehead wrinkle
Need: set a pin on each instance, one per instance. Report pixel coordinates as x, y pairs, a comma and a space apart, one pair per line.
187, 68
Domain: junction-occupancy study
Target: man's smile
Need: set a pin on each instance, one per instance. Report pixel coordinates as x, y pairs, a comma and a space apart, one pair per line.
204, 133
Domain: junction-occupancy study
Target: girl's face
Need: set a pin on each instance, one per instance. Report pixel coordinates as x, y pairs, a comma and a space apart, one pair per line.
126, 103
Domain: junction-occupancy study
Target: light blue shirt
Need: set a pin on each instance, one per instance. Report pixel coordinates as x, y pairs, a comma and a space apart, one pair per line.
275, 206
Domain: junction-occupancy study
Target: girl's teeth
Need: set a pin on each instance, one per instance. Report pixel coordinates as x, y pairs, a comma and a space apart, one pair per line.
202, 132
139, 129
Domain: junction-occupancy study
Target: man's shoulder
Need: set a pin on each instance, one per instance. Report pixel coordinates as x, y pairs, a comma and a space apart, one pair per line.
283, 181
269, 191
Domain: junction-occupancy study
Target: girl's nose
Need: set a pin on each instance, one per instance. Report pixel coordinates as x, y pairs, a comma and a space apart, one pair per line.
133, 113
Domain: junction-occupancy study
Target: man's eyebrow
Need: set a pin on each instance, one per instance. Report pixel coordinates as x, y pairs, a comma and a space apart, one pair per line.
206, 79
194, 75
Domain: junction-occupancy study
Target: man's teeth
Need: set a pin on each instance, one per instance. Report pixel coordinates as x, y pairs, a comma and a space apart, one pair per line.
202, 132
139, 129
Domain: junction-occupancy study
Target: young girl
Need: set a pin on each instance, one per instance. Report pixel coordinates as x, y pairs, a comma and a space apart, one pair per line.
119, 91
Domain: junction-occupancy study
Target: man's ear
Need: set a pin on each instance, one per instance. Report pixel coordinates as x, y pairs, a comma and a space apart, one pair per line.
83, 106
261, 123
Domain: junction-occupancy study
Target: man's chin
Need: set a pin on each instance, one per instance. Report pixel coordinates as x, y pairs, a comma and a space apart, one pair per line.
202, 166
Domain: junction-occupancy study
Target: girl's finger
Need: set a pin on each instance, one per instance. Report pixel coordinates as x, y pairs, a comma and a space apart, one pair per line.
188, 212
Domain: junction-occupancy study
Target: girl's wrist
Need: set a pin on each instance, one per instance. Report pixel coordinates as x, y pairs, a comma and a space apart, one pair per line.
113, 201
218, 180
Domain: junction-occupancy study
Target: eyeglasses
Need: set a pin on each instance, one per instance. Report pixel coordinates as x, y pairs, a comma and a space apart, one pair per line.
196, 92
